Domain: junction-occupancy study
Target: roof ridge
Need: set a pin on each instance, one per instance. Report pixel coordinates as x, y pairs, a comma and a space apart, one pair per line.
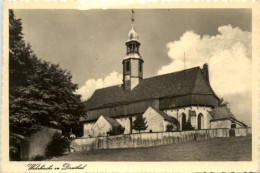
151, 77
172, 73
109, 87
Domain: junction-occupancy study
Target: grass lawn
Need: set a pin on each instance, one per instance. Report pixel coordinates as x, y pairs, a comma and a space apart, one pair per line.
218, 149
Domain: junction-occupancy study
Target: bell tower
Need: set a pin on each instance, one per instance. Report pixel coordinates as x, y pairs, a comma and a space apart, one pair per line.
133, 62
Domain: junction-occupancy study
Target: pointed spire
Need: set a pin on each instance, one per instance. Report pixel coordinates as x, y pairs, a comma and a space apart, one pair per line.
132, 35
133, 18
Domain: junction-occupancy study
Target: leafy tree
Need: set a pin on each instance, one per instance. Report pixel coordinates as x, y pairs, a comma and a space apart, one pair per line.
39, 92
20, 70
222, 103
139, 123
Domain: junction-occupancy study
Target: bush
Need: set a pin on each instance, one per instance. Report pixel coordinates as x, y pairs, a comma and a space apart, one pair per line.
57, 146
187, 126
169, 128
116, 131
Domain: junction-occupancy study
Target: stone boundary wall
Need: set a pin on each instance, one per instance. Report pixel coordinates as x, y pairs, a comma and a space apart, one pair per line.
241, 131
152, 139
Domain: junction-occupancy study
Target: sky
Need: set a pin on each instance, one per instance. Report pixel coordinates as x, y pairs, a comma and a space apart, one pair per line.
91, 44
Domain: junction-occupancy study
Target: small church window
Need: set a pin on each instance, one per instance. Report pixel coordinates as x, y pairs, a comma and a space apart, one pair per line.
127, 66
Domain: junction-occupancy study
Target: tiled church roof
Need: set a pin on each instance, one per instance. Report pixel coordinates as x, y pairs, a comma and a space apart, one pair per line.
221, 113
165, 116
169, 85
112, 121
224, 113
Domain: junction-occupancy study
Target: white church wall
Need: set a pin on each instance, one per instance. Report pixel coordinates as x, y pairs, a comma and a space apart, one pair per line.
101, 127
220, 124
155, 122
125, 122
134, 82
87, 129
194, 120
134, 67
134, 73
207, 121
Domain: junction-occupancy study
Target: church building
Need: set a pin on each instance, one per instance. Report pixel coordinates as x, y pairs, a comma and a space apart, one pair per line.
182, 96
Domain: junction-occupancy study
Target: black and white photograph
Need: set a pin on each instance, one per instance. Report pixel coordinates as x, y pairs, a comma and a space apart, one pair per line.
129, 85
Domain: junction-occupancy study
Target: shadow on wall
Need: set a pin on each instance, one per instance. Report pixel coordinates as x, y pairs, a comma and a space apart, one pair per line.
36, 145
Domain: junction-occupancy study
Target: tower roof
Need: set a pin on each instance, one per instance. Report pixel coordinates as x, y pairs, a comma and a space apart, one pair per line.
132, 35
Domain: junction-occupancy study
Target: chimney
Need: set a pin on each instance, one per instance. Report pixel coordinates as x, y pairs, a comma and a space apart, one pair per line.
205, 71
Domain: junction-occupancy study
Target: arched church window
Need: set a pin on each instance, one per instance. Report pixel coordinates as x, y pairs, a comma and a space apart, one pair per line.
140, 67
183, 121
200, 121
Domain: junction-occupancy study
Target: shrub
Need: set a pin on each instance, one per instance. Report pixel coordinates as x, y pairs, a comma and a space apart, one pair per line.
187, 126
169, 128
116, 131
57, 146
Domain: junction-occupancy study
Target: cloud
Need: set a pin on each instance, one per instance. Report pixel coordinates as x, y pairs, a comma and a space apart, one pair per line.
228, 55
91, 85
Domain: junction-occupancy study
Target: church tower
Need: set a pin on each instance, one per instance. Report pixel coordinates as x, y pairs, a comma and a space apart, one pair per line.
133, 62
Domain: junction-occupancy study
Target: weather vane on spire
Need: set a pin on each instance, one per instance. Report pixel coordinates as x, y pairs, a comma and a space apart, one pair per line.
133, 18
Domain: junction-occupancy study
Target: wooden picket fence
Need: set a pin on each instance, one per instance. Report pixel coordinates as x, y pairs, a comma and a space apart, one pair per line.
153, 139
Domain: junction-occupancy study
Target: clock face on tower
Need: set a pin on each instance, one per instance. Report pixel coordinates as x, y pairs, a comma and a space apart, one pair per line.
127, 77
